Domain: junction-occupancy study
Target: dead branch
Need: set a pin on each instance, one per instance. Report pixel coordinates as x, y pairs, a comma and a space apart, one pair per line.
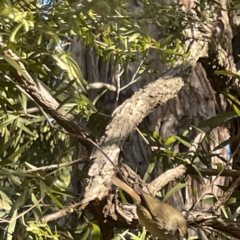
213, 172
216, 222
226, 195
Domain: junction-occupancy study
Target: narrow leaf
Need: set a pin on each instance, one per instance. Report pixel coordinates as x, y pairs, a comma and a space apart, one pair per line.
173, 190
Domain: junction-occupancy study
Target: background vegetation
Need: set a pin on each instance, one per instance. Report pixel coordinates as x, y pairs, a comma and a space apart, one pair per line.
51, 109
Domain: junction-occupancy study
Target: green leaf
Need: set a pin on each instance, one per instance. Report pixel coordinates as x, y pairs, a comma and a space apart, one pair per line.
21, 200
227, 73
88, 102
14, 155
184, 140
168, 40
224, 211
36, 202
170, 140
96, 232
174, 190
5, 202
65, 88
231, 200
235, 103
67, 63
10, 119
199, 178
43, 188
28, 131
224, 144
133, 236
150, 169
156, 137
12, 225
236, 109
87, 233
55, 200
99, 96
122, 196
220, 167
15, 31
210, 201
217, 120
5, 145
24, 102
133, 37
15, 64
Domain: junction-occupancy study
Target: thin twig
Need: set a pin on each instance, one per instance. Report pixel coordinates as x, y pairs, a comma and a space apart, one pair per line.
214, 180
56, 166
226, 195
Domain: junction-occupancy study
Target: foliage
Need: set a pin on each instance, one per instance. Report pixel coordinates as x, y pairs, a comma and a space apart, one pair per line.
36, 154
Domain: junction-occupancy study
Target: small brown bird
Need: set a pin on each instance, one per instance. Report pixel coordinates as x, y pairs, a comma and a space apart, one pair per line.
159, 218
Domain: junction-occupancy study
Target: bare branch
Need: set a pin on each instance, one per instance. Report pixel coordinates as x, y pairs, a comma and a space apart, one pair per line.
226, 195
213, 172
216, 222
61, 213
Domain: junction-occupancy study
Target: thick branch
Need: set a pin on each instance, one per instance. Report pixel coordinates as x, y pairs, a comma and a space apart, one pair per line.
128, 116
125, 120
